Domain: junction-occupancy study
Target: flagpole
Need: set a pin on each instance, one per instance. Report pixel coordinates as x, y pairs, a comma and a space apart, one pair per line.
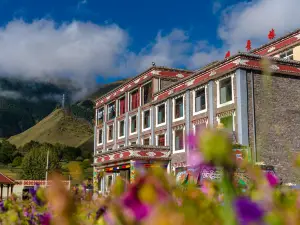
47, 166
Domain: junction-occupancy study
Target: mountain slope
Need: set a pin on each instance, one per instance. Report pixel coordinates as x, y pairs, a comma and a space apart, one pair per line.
23, 103
58, 127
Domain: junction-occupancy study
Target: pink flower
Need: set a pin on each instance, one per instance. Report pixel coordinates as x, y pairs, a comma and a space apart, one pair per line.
194, 155
272, 179
194, 158
191, 141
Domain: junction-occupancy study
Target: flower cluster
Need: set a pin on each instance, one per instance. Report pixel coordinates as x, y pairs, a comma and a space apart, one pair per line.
156, 198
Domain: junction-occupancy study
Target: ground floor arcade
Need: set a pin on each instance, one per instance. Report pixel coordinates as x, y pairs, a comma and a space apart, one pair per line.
125, 162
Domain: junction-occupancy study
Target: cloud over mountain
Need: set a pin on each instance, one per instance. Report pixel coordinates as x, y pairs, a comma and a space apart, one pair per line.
79, 51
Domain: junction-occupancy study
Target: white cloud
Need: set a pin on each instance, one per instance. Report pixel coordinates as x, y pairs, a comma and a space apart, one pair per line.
10, 94
167, 50
253, 20
78, 51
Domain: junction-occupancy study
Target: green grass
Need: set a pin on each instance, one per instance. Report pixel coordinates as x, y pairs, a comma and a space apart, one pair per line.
10, 172
58, 127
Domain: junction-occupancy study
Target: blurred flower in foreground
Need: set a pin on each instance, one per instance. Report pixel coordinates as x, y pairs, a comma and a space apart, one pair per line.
142, 196
100, 212
194, 156
45, 219
248, 212
216, 147
2, 206
272, 179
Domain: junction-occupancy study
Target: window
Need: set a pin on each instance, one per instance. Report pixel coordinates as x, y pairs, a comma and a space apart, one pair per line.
146, 141
227, 122
121, 106
179, 141
179, 107
147, 93
200, 100
287, 55
161, 140
100, 116
133, 124
100, 140
108, 182
111, 111
121, 146
198, 128
146, 119
134, 99
161, 114
121, 128
132, 142
225, 90
110, 132
109, 149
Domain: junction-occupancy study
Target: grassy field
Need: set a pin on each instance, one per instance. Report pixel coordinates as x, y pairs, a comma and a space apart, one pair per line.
10, 172
58, 127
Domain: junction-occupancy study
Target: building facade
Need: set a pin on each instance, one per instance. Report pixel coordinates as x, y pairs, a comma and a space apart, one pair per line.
146, 119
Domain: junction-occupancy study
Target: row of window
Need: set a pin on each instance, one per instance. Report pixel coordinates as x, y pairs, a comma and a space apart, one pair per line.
134, 102
160, 139
178, 134
224, 93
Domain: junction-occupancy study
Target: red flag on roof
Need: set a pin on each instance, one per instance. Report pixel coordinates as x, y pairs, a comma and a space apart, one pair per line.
248, 46
227, 55
271, 34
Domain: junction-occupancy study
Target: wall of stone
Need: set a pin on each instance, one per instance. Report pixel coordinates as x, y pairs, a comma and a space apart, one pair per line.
277, 121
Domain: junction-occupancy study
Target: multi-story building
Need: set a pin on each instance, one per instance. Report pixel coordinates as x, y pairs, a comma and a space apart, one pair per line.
146, 119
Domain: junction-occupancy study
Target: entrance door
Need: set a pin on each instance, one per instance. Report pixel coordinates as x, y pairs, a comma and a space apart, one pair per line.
125, 175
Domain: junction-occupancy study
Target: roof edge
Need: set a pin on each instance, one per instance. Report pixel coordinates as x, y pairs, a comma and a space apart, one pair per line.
141, 74
276, 40
206, 68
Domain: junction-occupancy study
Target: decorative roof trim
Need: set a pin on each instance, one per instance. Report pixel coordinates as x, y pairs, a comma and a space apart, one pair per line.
242, 60
280, 39
140, 78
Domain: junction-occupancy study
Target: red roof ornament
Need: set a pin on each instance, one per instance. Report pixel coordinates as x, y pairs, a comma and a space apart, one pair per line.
248, 46
271, 34
227, 55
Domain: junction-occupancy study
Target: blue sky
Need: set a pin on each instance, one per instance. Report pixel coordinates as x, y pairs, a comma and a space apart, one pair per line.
86, 39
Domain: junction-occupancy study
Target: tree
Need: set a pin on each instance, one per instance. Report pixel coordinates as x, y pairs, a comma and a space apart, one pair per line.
86, 164
34, 163
28, 146
7, 152
17, 161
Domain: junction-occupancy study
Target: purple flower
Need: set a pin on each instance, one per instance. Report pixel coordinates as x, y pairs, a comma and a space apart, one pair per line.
131, 201
248, 211
45, 219
2, 206
100, 212
194, 158
191, 140
272, 179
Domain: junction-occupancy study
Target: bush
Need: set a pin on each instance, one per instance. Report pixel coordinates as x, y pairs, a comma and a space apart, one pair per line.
79, 159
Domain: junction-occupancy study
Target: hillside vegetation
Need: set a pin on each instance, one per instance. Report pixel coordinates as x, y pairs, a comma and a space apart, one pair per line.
58, 127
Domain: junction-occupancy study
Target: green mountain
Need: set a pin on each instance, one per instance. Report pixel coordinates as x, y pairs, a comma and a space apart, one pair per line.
58, 127
23, 104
